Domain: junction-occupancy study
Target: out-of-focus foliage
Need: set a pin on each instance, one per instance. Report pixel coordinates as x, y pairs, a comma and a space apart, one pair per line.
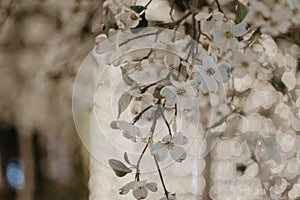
42, 44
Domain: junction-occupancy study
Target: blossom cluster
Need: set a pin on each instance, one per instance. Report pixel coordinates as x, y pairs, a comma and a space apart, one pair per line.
241, 75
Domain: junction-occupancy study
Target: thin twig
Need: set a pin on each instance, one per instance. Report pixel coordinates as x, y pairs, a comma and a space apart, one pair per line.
166, 121
137, 174
149, 2
140, 36
170, 13
219, 6
176, 23
140, 114
161, 178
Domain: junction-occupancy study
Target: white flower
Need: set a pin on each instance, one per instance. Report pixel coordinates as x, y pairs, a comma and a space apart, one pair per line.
243, 83
251, 123
295, 14
179, 92
142, 72
294, 193
277, 190
285, 113
245, 63
223, 170
289, 80
255, 100
127, 19
215, 19
116, 6
292, 168
286, 141
211, 73
171, 60
139, 189
228, 33
278, 23
158, 11
257, 13
129, 131
170, 144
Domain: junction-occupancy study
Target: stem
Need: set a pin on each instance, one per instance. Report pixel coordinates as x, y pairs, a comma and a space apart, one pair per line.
166, 121
140, 36
140, 114
219, 6
146, 87
201, 33
146, 6
137, 174
176, 23
161, 178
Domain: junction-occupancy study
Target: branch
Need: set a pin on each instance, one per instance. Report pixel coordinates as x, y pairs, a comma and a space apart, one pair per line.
161, 178
219, 6
137, 174
166, 122
140, 115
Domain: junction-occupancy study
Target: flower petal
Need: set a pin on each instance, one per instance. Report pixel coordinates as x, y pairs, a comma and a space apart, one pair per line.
172, 60
202, 15
160, 151
126, 188
209, 61
179, 139
223, 69
169, 94
209, 83
152, 187
218, 36
239, 30
140, 193
178, 153
167, 138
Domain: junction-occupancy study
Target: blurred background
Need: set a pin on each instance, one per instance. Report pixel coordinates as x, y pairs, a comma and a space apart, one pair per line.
42, 43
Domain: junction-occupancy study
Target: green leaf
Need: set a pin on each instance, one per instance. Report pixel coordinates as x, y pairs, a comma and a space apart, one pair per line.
119, 168
126, 77
278, 84
156, 92
220, 122
123, 103
201, 3
127, 159
142, 24
241, 12
109, 21
137, 8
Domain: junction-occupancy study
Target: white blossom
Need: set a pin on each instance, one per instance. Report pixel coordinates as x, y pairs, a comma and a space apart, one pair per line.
245, 63
295, 8
278, 22
228, 33
170, 144
257, 14
289, 79
139, 189
179, 92
294, 193
129, 131
210, 74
